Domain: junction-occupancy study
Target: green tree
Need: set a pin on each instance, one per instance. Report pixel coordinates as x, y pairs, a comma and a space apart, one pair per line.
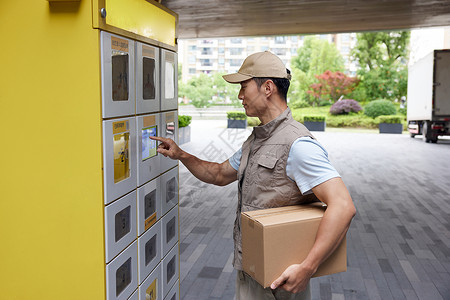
313, 58
382, 57
199, 90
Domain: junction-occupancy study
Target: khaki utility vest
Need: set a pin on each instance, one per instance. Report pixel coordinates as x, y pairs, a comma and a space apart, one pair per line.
262, 179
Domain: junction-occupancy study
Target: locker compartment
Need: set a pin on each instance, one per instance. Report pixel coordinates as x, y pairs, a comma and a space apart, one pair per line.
174, 293
149, 255
147, 78
117, 65
122, 275
119, 157
169, 190
170, 270
169, 129
151, 288
148, 160
120, 225
169, 228
149, 205
169, 80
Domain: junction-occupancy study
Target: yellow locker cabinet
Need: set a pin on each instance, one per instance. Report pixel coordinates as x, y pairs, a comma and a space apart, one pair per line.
52, 207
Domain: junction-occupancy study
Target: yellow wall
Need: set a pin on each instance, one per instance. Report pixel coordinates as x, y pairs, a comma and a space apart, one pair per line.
51, 207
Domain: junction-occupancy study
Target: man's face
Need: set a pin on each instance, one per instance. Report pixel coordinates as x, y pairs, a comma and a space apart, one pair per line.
253, 98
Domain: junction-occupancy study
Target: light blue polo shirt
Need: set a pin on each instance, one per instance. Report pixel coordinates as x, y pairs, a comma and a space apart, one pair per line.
308, 164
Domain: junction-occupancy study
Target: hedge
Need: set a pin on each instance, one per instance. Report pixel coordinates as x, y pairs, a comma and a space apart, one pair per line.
391, 119
314, 118
236, 115
184, 121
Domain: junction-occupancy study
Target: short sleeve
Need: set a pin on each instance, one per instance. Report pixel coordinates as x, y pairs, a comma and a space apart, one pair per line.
235, 160
308, 164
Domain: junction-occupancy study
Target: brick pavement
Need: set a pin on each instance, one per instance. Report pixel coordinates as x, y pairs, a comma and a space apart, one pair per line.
398, 243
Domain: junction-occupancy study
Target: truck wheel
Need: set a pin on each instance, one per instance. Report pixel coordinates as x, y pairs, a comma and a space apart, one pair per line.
425, 135
412, 135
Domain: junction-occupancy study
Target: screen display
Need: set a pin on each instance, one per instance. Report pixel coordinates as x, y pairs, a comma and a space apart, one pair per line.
121, 157
120, 77
150, 250
122, 223
148, 88
123, 276
169, 80
149, 145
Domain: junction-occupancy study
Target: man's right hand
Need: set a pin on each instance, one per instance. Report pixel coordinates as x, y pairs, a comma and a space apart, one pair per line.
168, 147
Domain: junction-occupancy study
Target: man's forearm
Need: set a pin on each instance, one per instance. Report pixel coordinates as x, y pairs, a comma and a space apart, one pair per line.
203, 170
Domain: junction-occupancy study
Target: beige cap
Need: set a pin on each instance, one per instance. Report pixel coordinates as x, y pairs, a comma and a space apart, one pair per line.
260, 64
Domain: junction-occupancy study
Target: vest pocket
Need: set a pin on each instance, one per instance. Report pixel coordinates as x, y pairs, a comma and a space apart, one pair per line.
268, 162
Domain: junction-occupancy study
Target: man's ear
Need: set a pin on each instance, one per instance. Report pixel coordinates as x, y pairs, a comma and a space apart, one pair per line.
269, 88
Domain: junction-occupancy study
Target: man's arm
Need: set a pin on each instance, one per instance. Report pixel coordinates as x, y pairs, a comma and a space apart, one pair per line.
209, 172
332, 229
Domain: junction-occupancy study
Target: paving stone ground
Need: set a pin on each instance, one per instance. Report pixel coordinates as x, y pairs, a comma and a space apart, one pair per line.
398, 243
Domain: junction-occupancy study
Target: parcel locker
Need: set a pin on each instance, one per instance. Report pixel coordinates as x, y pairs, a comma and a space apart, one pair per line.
169, 190
149, 205
122, 274
147, 79
168, 129
149, 254
169, 80
120, 225
174, 293
147, 157
119, 157
169, 228
170, 270
151, 288
117, 65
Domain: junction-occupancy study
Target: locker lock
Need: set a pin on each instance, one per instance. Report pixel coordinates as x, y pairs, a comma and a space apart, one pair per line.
103, 12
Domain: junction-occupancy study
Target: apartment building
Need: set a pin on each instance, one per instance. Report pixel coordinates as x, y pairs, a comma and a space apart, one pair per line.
227, 54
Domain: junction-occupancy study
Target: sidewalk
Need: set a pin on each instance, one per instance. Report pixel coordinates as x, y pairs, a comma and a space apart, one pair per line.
398, 243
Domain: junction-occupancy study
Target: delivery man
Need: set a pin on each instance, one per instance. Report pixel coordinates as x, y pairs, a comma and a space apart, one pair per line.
280, 164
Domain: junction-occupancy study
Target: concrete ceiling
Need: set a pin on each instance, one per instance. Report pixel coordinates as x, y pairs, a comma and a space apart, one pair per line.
219, 18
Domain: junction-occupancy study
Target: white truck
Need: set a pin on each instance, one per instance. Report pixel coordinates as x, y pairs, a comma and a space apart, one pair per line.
428, 110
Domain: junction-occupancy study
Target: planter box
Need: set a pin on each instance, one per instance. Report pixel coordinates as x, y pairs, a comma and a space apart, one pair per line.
237, 123
391, 128
184, 135
315, 126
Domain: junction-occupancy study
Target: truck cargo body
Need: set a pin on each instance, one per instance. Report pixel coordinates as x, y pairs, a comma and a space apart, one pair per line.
429, 96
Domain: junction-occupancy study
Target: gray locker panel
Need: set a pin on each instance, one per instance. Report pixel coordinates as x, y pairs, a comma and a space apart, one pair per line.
149, 254
120, 225
147, 78
151, 288
169, 229
170, 270
169, 190
135, 295
149, 205
119, 157
174, 293
117, 75
122, 275
169, 129
169, 80
148, 161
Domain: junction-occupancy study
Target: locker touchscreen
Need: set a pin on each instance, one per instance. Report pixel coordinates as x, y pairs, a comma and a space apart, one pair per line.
121, 156
148, 145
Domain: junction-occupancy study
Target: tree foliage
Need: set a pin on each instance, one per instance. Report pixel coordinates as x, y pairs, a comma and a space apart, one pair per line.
313, 58
382, 58
332, 85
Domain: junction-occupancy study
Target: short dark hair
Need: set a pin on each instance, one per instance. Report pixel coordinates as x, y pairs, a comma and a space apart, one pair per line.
282, 84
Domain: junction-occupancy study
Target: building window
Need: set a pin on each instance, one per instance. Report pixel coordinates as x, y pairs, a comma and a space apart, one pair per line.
221, 61
294, 39
279, 51
236, 41
192, 70
221, 50
235, 62
191, 59
192, 48
236, 51
206, 51
280, 40
206, 63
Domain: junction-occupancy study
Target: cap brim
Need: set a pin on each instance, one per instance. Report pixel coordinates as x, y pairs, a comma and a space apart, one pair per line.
236, 77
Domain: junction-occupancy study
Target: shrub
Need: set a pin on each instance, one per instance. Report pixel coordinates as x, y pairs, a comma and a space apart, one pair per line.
252, 121
314, 118
184, 121
236, 115
299, 104
324, 103
390, 119
379, 108
345, 106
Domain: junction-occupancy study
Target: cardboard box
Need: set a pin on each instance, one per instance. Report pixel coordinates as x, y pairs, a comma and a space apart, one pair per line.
275, 238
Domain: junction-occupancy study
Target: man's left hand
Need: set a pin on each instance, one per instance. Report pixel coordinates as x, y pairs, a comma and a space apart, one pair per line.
294, 279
